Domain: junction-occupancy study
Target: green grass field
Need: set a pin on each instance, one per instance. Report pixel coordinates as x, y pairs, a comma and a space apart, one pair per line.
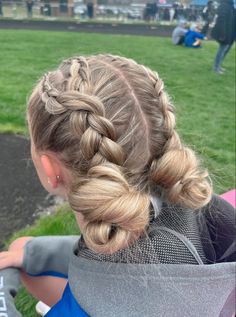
204, 100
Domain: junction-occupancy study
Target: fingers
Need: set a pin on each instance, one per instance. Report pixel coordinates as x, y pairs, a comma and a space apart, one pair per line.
6, 259
14, 257
11, 259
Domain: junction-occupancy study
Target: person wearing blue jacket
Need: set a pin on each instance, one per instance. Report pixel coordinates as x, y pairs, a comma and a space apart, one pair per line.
154, 240
193, 37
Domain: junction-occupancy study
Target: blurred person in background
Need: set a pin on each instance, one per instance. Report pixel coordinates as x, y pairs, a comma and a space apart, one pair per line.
193, 37
29, 7
166, 14
208, 15
179, 32
90, 10
224, 32
178, 9
1, 12
150, 11
172, 14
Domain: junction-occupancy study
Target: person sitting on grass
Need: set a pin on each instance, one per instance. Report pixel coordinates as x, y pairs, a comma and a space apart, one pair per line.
193, 38
179, 32
154, 240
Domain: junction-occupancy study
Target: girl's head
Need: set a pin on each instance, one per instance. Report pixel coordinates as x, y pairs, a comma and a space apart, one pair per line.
182, 23
103, 128
195, 27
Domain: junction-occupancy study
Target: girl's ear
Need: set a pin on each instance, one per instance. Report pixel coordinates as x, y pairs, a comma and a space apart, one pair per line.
52, 169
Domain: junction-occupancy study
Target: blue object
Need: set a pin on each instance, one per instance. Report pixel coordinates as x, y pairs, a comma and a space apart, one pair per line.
199, 2
50, 273
67, 306
191, 37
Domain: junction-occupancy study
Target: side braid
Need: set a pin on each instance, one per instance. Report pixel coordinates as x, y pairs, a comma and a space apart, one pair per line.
178, 170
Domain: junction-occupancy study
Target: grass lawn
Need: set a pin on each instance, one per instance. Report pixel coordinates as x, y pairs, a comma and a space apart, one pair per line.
204, 100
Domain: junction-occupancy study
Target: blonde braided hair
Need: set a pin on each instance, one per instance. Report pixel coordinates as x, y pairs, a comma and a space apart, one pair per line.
112, 124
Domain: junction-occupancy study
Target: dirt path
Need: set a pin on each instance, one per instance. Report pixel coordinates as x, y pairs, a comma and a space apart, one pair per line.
106, 28
22, 197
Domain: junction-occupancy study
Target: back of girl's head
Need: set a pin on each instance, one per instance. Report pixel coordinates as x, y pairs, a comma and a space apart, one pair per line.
112, 125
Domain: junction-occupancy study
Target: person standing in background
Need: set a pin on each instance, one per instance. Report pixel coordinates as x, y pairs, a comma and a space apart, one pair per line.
1, 13
90, 9
224, 32
172, 14
29, 6
208, 16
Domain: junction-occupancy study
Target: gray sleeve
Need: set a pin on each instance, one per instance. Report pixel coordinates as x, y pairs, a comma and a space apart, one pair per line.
9, 285
48, 254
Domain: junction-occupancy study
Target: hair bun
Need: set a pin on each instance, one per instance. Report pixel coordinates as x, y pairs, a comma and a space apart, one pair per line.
115, 213
194, 191
179, 174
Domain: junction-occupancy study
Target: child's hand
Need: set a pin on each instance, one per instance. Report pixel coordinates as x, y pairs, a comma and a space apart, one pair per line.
11, 259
